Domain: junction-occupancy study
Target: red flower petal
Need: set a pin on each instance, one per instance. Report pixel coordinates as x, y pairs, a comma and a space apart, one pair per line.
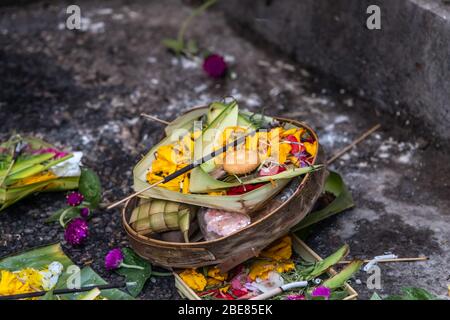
239, 293
295, 147
234, 191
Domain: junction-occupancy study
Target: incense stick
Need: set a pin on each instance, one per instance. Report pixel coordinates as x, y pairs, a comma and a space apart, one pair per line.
341, 152
61, 291
134, 195
390, 260
185, 169
148, 116
283, 288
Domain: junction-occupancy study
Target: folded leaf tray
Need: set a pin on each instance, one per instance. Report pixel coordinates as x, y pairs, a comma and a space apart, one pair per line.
270, 220
298, 246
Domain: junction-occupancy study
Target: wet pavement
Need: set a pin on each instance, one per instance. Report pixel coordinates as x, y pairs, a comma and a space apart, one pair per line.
86, 90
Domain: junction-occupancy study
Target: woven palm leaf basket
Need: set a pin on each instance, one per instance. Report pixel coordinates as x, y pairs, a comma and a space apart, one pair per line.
282, 204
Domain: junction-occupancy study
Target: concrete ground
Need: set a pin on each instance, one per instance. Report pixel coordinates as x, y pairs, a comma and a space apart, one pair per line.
86, 90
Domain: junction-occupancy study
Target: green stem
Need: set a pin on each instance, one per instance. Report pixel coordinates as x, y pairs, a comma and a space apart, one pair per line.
130, 266
61, 217
161, 274
195, 13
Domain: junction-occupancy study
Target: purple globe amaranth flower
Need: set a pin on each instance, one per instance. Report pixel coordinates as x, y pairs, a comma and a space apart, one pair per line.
84, 212
321, 292
114, 259
215, 66
76, 232
74, 198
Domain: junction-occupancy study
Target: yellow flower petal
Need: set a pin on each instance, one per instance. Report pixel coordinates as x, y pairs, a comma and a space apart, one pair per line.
186, 184
260, 269
289, 132
11, 284
211, 282
216, 274
279, 250
311, 148
285, 267
224, 289
195, 280
40, 177
284, 150
31, 276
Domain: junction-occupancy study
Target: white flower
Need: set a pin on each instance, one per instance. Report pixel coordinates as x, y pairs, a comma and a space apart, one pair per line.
70, 167
50, 276
56, 268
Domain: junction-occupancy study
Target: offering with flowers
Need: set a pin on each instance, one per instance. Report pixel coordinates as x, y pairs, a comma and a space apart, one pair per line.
48, 269
231, 185
29, 165
276, 266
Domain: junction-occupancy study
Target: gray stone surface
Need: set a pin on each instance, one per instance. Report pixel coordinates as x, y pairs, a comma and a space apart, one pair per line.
86, 90
404, 67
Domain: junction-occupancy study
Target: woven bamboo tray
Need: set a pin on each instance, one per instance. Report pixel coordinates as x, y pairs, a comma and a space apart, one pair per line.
275, 218
299, 247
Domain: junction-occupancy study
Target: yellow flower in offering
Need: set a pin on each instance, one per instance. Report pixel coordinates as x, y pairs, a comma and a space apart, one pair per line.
262, 268
11, 284
211, 282
311, 148
279, 250
40, 177
170, 158
284, 150
185, 184
215, 277
289, 132
195, 280
275, 133
215, 273
285, 266
225, 289
31, 276
278, 255
296, 132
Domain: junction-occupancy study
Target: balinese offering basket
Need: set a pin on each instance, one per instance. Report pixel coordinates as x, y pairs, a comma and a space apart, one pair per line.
271, 218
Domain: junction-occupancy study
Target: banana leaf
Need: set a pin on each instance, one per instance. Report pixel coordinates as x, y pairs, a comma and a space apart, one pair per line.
227, 118
184, 121
10, 196
244, 203
343, 201
340, 278
35, 169
22, 164
26, 166
322, 266
41, 257
201, 182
